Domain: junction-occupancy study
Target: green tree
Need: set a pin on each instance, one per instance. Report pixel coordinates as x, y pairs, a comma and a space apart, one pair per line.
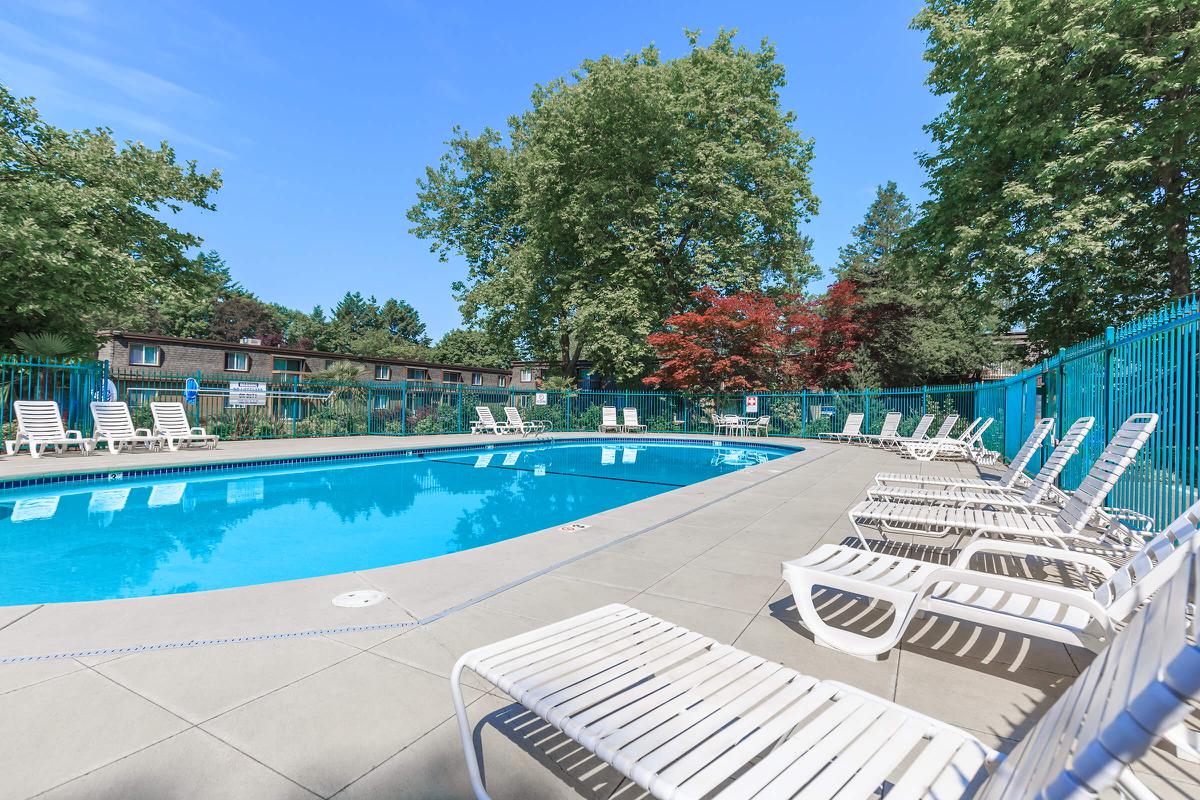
360, 325
242, 314
81, 228
622, 190
912, 332
1065, 178
462, 346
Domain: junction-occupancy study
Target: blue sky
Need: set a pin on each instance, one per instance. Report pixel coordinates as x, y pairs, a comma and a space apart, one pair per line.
322, 116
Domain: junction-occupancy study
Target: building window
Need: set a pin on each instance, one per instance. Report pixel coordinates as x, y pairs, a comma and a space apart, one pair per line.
145, 355
383, 372
526, 376
416, 374
237, 362
477, 379
451, 377
289, 364
502, 381
379, 401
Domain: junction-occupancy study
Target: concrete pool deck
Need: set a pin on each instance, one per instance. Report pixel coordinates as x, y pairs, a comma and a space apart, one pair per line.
121, 699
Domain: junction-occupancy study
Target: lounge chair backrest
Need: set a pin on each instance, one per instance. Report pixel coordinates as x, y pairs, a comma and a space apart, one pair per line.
922, 427
1089, 497
1067, 446
39, 420
965, 436
485, 416
947, 427
169, 418
891, 424
608, 415
976, 436
853, 426
1151, 567
112, 419
1039, 433
630, 415
512, 415
1133, 692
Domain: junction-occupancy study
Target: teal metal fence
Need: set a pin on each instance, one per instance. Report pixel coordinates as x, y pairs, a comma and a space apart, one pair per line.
72, 384
1150, 364
1147, 365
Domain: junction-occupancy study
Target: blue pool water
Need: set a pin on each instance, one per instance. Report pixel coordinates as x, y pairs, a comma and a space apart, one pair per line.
192, 531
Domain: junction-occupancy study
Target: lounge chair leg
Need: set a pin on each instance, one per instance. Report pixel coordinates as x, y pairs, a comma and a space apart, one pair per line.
464, 730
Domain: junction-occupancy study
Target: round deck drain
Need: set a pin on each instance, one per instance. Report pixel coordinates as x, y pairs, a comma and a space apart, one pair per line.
359, 599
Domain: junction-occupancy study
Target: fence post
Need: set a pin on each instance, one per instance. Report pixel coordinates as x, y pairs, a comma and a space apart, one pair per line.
803, 410
1110, 338
404, 406
458, 425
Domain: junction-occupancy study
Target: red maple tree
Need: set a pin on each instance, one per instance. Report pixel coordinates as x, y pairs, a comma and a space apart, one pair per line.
750, 341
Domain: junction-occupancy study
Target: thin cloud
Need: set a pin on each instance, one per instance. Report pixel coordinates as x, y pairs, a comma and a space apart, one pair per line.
133, 82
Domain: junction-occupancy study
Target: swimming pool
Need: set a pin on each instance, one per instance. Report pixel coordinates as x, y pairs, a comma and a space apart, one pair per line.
197, 530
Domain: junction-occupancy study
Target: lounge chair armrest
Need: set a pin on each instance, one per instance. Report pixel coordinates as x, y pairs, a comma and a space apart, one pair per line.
198, 431
74, 434
1133, 520
142, 432
1090, 560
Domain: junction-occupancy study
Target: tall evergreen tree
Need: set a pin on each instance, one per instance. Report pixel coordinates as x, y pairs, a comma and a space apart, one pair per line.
912, 332
1065, 176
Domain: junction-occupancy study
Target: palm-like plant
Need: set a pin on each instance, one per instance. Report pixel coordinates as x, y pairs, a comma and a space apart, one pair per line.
43, 345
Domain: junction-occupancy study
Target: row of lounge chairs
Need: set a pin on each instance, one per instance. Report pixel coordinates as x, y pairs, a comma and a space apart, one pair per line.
682, 715
40, 428
967, 446
514, 424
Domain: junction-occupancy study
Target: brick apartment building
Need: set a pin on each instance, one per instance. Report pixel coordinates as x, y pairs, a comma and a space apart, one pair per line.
251, 360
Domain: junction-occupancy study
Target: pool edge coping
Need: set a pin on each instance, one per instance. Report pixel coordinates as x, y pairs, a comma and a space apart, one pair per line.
140, 472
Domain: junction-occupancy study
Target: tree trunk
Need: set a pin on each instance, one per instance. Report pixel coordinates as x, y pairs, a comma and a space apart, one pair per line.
565, 365
1179, 262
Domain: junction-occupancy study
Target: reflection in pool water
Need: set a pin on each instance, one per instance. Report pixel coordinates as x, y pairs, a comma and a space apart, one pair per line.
210, 530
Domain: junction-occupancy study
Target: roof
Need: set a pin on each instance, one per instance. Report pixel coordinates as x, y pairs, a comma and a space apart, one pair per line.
292, 351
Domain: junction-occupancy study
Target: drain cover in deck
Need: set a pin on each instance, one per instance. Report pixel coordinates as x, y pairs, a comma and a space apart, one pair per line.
360, 598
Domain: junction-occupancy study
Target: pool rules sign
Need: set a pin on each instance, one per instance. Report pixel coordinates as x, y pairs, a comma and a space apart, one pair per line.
751, 404
247, 393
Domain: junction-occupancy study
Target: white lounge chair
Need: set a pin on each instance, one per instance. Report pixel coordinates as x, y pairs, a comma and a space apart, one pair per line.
850, 431
919, 434
1031, 498
631, 424
1083, 508
113, 426
946, 429
887, 432
684, 716
968, 447
170, 422
40, 427
608, 420
487, 423
1085, 618
1013, 476
534, 426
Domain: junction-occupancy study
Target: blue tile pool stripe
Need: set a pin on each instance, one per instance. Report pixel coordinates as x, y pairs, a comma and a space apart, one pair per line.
141, 473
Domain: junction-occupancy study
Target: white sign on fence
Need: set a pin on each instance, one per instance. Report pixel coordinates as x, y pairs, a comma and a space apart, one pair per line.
751, 404
541, 399
247, 393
